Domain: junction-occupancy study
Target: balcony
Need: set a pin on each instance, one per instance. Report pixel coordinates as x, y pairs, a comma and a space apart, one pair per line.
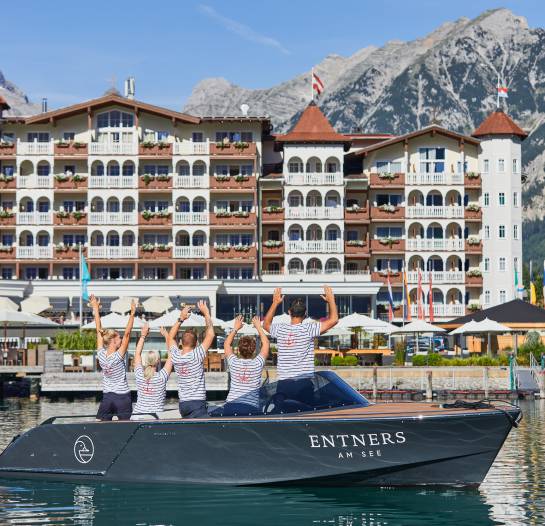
435, 212
153, 150
71, 149
356, 213
35, 148
272, 248
154, 182
356, 248
388, 213
473, 245
473, 213
440, 310
314, 212
381, 276
66, 252
435, 245
7, 218
238, 182
314, 179
233, 149
315, 246
191, 252
272, 214
387, 246
387, 180
7, 150
35, 252
35, 181
113, 218
473, 180
155, 218
191, 148
191, 218
438, 277
191, 181
113, 148
35, 218
70, 218
155, 252
113, 181
233, 218
70, 182
233, 252
7, 182
474, 278
107, 252
7, 252
314, 276
434, 179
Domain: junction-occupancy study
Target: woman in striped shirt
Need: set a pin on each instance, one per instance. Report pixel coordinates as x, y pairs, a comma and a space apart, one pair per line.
245, 370
150, 383
111, 350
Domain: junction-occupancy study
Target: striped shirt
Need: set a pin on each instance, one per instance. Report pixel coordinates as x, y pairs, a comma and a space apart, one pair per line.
245, 379
152, 392
189, 369
295, 348
114, 374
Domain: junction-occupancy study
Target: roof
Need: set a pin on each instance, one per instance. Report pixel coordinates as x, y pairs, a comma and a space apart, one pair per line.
513, 313
434, 128
312, 126
3, 104
499, 123
111, 98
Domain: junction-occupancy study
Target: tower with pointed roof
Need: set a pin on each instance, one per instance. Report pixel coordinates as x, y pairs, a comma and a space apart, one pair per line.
501, 166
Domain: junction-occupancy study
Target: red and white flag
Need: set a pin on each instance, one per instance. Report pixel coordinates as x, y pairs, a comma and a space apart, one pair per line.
419, 297
502, 91
430, 300
317, 84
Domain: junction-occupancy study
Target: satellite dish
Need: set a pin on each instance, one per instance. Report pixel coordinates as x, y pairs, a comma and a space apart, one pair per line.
244, 109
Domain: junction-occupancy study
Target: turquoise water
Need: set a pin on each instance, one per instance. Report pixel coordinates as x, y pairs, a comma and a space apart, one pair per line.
512, 494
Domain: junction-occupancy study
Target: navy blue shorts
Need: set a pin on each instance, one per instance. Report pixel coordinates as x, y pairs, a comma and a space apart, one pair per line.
236, 409
114, 404
193, 409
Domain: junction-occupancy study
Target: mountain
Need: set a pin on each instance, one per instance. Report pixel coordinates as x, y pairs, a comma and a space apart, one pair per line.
20, 105
452, 72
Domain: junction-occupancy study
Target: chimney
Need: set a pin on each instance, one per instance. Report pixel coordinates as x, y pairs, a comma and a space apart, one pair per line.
44, 105
244, 109
129, 88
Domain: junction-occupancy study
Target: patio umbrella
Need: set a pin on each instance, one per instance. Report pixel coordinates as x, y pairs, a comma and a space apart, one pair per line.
35, 304
339, 332
122, 305
286, 318
194, 320
157, 304
356, 320
11, 318
115, 321
489, 327
471, 327
7, 304
417, 327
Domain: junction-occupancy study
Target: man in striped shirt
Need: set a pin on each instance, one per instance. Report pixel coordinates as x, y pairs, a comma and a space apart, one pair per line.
188, 361
295, 341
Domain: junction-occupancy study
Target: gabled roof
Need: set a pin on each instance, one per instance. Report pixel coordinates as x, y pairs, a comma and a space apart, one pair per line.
106, 100
434, 128
3, 104
499, 123
312, 127
513, 313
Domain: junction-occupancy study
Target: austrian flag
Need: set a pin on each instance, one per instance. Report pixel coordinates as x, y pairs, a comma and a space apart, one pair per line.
502, 91
317, 84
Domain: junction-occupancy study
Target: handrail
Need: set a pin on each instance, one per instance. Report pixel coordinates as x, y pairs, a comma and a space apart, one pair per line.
535, 369
513, 376
52, 419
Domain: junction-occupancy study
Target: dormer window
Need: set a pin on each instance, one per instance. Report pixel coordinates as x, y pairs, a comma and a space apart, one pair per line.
115, 119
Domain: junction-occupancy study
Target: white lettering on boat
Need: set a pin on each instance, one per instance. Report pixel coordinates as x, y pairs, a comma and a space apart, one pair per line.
361, 440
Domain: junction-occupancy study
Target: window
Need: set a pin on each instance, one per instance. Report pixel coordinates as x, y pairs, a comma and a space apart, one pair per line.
503, 296
501, 165
8, 170
246, 169
501, 231
115, 119
389, 199
246, 137
221, 169
246, 206
486, 166
70, 273
486, 264
486, 199
234, 136
486, 232
515, 199
392, 264
43, 169
68, 136
197, 137
501, 199
7, 273
515, 231
38, 137
486, 297
295, 167
8, 137
389, 231
515, 166
459, 166
388, 167
6, 240
501, 264
162, 136
432, 160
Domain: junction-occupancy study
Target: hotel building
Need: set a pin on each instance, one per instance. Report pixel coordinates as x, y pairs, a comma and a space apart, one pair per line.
169, 204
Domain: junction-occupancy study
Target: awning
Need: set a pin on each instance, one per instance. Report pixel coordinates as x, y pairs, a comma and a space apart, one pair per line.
8, 304
115, 321
157, 304
59, 304
122, 304
35, 304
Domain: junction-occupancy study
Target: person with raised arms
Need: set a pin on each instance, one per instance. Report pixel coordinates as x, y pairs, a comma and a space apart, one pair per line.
150, 383
188, 361
111, 350
245, 369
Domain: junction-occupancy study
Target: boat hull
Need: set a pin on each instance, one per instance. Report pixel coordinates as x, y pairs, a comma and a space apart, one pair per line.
444, 449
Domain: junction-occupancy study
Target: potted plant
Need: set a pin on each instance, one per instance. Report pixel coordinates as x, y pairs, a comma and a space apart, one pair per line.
387, 175
62, 178
241, 178
223, 213
162, 213
6, 144
162, 177
272, 243
148, 214
78, 214
223, 145
63, 144
61, 247
62, 214
148, 247
6, 213
356, 243
222, 248
474, 273
473, 240
241, 213
162, 248
388, 241
222, 177
6, 248
352, 209
79, 145
242, 248
148, 178
273, 209
473, 307
473, 207
77, 178
473, 175
162, 145
6, 178
390, 209
148, 144
241, 145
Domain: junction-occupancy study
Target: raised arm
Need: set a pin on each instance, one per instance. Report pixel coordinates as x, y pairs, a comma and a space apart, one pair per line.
264, 352
94, 303
209, 334
276, 301
333, 317
228, 344
128, 329
140, 345
171, 338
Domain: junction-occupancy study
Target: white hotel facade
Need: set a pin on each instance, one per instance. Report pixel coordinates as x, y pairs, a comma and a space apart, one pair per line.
174, 205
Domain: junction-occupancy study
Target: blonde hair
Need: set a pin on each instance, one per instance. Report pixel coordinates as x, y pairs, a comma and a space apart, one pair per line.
108, 335
150, 361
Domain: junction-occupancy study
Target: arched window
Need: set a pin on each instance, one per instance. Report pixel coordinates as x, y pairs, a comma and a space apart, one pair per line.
295, 266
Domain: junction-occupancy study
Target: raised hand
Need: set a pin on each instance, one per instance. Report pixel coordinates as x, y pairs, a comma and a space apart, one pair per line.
328, 295
184, 314
145, 330
203, 307
163, 332
133, 307
94, 302
277, 296
239, 322
256, 322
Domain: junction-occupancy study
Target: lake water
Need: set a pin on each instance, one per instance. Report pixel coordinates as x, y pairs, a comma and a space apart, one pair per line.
512, 494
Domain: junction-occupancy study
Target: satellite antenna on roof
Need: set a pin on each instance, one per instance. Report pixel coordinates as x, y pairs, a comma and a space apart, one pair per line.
244, 109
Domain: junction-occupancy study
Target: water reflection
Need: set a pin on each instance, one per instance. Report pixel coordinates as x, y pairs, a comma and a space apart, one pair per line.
513, 493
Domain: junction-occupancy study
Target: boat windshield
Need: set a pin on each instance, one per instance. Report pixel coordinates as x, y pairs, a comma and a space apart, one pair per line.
323, 390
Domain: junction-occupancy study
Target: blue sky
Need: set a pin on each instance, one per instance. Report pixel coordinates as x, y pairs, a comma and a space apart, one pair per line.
71, 51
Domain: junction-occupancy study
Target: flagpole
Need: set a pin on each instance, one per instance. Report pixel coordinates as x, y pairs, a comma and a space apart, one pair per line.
311, 84
80, 290
498, 93
403, 294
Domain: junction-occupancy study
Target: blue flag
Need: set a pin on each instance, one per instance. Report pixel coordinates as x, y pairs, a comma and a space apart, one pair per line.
85, 279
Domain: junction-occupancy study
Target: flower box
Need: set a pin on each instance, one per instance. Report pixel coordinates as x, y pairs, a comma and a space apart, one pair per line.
237, 252
386, 179
66, 149
226, 182
70, 218
154, 182
147, 217
7, 252
7, 181
154, 149
229, 218
155, 252
387, 245
228, 149
7, 149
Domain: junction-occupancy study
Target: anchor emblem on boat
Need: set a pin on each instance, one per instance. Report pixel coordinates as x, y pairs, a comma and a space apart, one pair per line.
84, 449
